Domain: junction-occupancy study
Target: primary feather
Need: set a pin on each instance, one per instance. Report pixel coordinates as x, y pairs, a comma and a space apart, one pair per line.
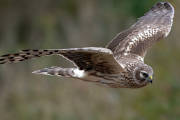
153, 26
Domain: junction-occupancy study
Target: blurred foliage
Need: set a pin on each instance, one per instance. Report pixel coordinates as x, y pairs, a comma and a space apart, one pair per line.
78, 23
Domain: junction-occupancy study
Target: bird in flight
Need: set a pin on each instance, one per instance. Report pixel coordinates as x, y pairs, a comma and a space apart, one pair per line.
121, 63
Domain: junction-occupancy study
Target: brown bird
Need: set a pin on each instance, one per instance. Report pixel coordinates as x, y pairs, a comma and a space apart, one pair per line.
121, 63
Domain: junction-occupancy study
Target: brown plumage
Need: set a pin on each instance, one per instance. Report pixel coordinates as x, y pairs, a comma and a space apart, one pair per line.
121, 63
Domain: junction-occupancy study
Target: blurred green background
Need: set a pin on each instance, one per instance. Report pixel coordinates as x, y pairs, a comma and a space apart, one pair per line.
79, 23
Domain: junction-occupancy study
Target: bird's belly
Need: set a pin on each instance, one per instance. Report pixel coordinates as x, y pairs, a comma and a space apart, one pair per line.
105, 79
112, 80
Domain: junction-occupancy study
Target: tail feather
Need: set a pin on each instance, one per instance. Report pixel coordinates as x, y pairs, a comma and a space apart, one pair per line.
58, 71
25, 55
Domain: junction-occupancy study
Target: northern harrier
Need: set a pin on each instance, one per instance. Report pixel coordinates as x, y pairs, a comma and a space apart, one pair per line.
121, 63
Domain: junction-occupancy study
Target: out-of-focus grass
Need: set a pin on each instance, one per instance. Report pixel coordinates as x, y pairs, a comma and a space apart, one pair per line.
69, 23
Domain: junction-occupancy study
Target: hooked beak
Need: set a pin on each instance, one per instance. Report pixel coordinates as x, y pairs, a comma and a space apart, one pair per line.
150, 79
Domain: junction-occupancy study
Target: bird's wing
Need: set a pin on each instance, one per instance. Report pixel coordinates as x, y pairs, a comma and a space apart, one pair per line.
150, 28
93, 58
89, 58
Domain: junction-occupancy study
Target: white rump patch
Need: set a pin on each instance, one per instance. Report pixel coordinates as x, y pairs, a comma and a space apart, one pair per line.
78, 73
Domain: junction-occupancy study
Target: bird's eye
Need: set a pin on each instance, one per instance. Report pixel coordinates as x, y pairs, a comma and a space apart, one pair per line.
144, 75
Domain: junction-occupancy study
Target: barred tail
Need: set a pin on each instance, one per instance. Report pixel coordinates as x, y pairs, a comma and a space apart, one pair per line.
58, 71
26, 54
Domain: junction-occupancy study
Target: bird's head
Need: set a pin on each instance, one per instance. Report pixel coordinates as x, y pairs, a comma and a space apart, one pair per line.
143, 75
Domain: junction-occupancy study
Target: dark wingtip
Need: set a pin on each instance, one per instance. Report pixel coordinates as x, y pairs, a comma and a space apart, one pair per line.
163, 5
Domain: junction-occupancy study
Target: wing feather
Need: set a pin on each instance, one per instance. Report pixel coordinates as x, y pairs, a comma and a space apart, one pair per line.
88, 58
93, 58
150, 28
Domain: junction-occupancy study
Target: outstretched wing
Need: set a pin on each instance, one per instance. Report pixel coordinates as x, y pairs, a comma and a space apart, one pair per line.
93, 58
89, 58
153, 26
